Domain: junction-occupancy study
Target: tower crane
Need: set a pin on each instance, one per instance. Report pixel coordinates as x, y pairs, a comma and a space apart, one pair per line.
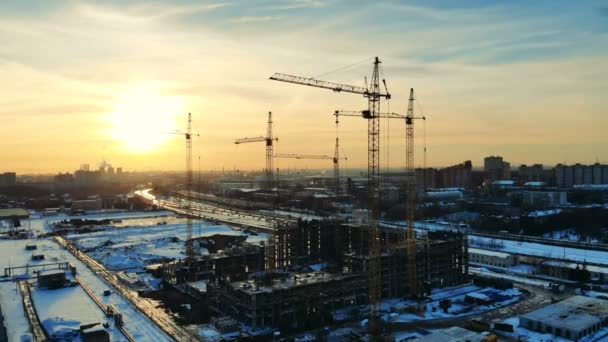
189, 213
374, 95
269, 149
410, 201
335, 160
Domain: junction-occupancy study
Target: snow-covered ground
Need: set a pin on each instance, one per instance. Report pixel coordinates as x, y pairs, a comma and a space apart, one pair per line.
396, 310
13, 253
17, 326
522, 334
134, 247
459, 307
482, 271
111, 215
63, 311
537, 249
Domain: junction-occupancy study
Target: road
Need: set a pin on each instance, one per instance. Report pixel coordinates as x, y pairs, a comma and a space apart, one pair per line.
597, 246
35, 326
241, 218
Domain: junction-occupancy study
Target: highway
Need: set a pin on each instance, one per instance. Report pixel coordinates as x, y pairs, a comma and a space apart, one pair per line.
235, 217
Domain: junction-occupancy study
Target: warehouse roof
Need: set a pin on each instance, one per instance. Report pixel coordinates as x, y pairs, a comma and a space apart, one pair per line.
488, 253
575, 313
456, 334
18, 212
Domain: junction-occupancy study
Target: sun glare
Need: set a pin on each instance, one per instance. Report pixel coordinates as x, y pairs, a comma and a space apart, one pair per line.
142, 117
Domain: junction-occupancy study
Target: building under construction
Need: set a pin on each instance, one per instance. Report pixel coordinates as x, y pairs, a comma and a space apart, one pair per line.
319, 266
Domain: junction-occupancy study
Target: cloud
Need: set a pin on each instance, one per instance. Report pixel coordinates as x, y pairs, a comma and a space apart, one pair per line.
299, 4
255, 19
151, 10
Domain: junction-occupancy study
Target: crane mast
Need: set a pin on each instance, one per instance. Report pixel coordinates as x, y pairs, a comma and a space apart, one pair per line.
374, 94
188, 208
269, 152
189, 244
268, 139
410, 236
336, 161
270, 260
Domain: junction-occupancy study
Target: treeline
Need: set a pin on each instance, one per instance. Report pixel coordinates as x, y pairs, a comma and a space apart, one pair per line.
588, 222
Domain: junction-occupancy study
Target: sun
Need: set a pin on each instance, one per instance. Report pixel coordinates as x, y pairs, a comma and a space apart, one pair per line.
142, 118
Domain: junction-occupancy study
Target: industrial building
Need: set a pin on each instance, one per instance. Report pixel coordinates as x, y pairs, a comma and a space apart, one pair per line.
11, 213
492, 258
456, 334
562, 269
573, 318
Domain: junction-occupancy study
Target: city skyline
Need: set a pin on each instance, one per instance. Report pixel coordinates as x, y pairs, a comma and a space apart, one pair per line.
83, 81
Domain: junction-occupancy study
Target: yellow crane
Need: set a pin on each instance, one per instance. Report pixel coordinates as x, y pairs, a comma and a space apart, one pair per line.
374, 94
335, 161
269, 149
189, 212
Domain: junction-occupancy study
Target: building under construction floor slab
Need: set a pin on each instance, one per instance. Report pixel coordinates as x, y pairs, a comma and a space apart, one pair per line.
441, 260
295, 301
231, 264
308, 242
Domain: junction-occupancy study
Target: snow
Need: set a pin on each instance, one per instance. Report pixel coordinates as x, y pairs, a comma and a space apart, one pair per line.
518, 279
137, 247
537, 249
541, 213
62, 311
111, 216
14, 253
294, 214
396, 310
209, 333
318, 267
489, 253
523, 268
15, 320
529, 335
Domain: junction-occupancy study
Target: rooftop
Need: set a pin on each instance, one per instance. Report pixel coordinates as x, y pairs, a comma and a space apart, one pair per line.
50, 272
200, 285
250, 286
8, 213
489, 253
455, 334
574, 313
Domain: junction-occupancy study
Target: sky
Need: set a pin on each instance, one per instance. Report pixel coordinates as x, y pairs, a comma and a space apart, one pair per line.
83, 81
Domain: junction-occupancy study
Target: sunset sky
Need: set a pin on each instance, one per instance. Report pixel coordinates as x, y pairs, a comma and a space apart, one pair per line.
81, 81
